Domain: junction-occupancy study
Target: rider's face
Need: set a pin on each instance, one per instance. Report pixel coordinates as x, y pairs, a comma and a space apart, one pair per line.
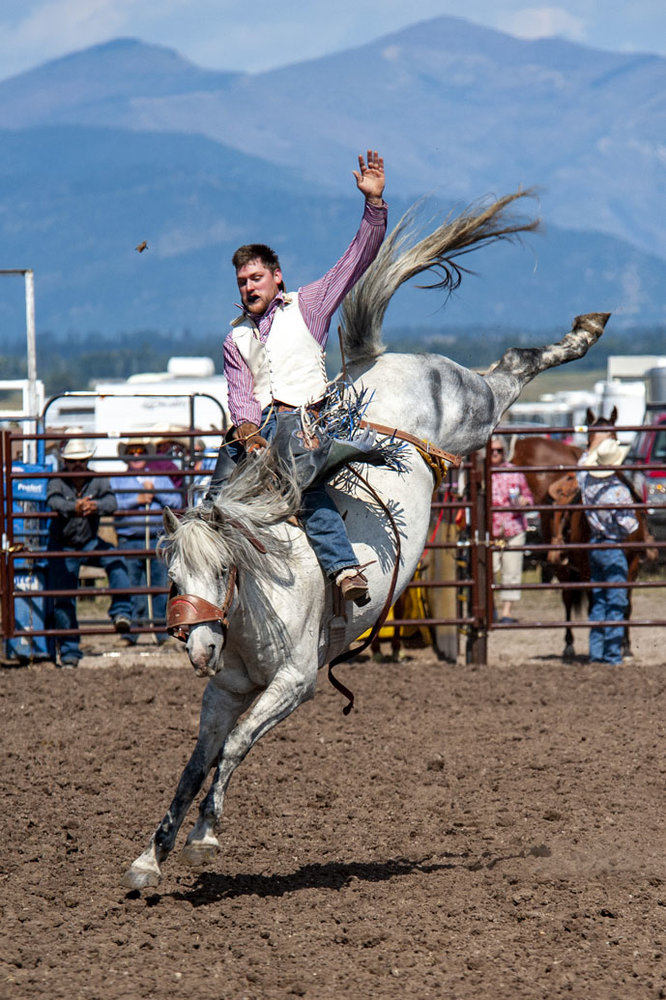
258, 286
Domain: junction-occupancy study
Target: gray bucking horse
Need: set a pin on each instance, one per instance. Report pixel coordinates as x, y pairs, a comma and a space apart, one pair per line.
257, 613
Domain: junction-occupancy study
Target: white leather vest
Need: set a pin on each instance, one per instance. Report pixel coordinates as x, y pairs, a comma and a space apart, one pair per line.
290, 366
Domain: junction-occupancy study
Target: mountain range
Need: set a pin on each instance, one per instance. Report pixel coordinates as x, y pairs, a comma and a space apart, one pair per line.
125, 142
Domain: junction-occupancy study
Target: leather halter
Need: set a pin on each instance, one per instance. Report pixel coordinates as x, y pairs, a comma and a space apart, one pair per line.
186, 610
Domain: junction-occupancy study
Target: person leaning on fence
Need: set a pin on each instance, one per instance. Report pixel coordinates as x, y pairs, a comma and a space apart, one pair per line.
78, 501
612, 523
509, 488
142, 496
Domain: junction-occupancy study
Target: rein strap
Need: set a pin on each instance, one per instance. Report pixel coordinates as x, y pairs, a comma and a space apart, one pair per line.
351, 653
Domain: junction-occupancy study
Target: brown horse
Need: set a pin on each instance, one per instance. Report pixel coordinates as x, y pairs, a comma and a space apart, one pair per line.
559, 487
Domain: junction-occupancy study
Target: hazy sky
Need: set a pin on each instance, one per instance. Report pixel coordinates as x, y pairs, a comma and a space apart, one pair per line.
262, 34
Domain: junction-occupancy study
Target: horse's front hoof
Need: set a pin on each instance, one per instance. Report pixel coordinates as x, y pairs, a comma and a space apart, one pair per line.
139, 876
198, 853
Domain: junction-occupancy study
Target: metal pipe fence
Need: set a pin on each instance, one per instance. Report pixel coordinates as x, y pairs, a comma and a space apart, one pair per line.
452, 596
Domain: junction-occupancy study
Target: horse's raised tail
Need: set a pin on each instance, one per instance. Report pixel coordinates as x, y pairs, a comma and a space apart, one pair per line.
400, 259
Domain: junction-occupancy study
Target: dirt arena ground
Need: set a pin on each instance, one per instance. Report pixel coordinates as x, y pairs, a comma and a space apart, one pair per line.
467, 832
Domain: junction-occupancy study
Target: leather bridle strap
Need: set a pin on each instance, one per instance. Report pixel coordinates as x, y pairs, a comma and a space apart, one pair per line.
186, 610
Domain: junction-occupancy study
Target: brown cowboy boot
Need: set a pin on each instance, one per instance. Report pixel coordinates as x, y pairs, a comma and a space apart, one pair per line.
354, 585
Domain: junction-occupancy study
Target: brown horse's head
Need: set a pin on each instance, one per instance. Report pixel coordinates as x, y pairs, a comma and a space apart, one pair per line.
599, 428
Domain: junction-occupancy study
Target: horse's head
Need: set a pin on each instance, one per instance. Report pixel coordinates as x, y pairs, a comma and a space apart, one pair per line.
599, 428
202, 591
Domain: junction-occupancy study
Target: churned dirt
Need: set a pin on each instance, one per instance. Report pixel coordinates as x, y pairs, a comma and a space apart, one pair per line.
467, 832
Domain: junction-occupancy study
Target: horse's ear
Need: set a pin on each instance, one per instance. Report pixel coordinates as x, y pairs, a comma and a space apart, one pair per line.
613, 417
169, 520
589, 417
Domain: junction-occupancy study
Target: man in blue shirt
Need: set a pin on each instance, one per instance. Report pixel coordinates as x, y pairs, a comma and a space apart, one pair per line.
611, 519
142, 496
79, 499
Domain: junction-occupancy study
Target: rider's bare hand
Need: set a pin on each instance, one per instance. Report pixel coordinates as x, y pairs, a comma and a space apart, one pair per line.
370, 178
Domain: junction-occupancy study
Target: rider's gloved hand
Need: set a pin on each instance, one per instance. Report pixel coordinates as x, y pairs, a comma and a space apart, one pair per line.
249, 436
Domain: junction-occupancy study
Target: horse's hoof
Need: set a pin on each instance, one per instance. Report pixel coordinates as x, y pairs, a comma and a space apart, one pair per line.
198, 853
591, 322
569, 654
141, 876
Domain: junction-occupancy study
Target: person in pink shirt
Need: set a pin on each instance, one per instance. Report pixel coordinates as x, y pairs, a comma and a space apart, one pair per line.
509, 488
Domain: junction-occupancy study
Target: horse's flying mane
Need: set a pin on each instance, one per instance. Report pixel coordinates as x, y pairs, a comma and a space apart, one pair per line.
240, 521
400, 258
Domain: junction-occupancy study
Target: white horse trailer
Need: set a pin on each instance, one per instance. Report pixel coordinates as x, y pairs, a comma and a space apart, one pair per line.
188, 394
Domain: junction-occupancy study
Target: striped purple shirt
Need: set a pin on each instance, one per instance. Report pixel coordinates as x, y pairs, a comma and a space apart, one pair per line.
317, 302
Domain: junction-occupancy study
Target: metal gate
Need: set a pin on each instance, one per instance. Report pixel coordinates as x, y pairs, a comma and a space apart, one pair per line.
452, 597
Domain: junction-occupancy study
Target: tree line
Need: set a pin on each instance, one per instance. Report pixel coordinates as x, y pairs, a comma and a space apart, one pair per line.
76, 361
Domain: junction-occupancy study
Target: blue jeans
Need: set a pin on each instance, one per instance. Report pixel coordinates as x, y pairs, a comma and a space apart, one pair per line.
64, 575
608, 603
321, 519
136, 570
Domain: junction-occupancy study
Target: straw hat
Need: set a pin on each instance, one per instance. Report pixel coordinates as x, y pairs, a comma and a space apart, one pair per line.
609, 452
76, 449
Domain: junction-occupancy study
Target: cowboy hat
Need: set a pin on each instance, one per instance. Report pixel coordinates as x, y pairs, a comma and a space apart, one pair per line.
609, 452
76, 449
147, 444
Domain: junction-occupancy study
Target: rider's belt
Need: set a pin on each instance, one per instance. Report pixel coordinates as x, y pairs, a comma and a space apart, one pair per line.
437, 460
288, 408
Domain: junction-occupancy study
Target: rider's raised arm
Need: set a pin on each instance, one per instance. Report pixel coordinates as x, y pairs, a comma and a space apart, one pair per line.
319, 300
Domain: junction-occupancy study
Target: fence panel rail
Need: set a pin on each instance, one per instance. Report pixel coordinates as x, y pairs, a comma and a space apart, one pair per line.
452, 597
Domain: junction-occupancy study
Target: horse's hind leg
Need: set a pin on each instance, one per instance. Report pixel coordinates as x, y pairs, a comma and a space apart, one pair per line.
219, 712
288, 689
526, 362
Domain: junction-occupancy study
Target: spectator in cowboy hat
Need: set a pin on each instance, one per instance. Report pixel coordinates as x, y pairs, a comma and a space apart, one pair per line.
79, 499
172, 443
612, 522
142, 496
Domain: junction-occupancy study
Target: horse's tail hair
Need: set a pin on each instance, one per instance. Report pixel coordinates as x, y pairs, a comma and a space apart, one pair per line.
400, 258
